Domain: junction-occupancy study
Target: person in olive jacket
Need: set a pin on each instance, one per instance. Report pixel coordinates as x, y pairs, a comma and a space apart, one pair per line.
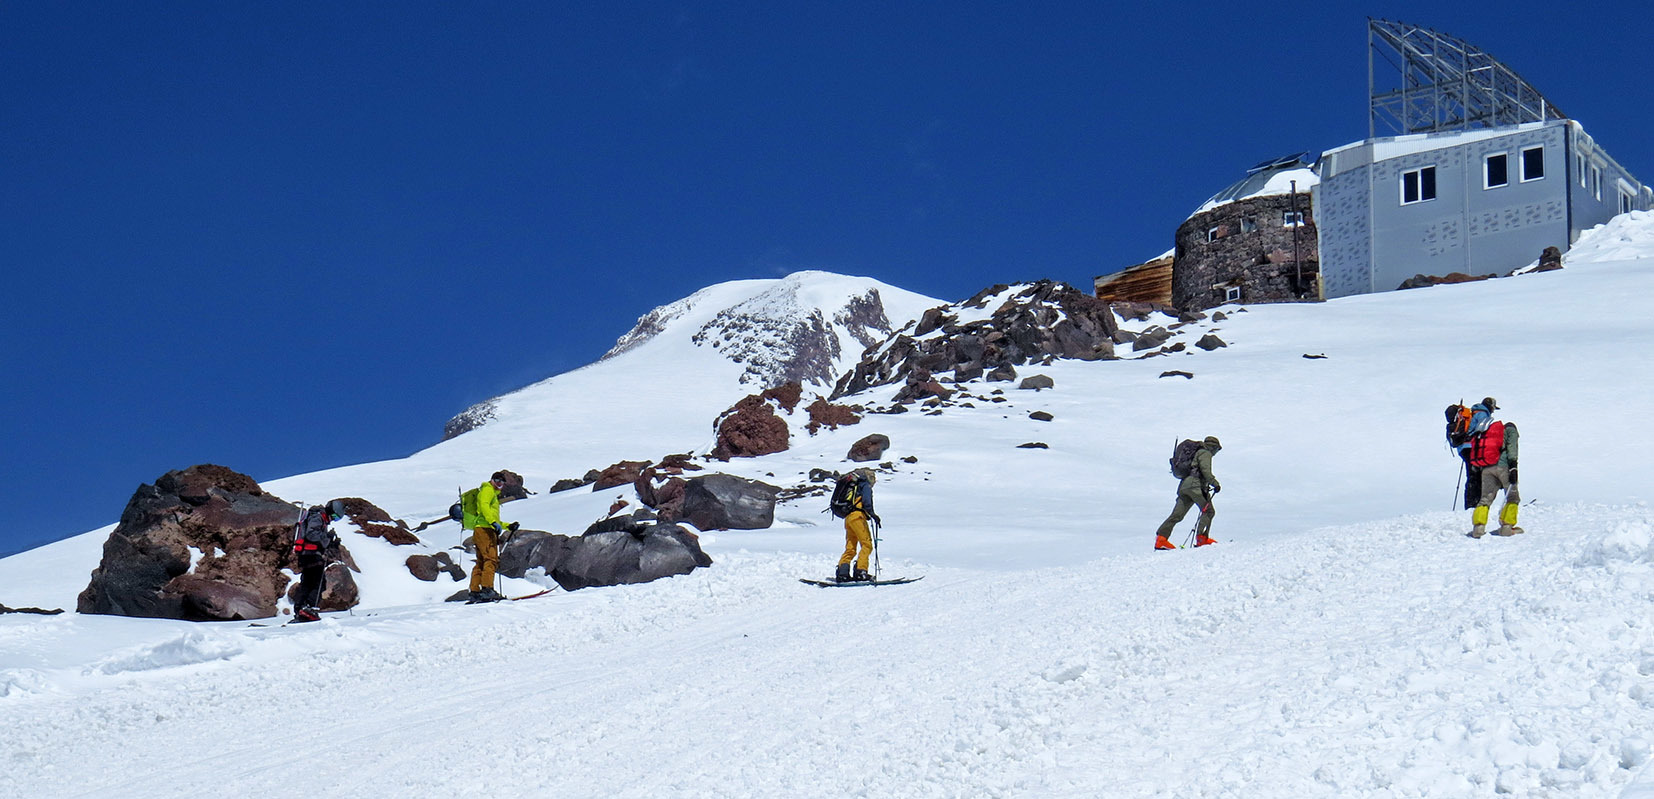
1196, 490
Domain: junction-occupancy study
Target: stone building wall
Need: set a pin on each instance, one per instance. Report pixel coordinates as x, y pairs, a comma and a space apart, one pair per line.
1246, 245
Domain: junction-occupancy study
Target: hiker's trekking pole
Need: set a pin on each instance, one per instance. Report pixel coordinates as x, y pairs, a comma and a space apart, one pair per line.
1191, 538
1464, 468
876, 531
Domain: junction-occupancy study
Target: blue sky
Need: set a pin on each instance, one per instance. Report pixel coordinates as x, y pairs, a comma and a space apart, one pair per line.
288, 236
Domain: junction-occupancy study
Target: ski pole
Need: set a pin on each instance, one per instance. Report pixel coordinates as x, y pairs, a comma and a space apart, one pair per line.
876, 567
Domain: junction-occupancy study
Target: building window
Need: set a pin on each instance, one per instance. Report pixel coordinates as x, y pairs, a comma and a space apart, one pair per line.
1292, 219
1579, 167
1533, 163
1214, 233
1496, 171
1231, 294
1625, 203
1596, 182
1418, 185
1248, 224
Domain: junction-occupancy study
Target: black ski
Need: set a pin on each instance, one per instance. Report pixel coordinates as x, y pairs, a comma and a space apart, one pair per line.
854, 583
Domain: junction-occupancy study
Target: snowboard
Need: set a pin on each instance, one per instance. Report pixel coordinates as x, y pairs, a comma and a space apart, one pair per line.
854, 583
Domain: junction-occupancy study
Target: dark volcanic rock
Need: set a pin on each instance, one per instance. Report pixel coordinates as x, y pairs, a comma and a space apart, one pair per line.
1029, 324
1037, 382
639, 554
869, 448
826, 414
727, 502
619, 474
237, 536
1210, 342
752, 428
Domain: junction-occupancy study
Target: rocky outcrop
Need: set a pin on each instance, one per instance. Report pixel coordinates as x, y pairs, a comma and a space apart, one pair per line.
826, 414
1422, 281
1028, 324
204, 543
619, 474
470, 419
727, 502
639, 554
663, 492
752, 427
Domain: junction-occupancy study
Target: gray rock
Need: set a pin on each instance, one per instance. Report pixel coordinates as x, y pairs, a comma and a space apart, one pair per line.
1210, 342
605, 558
1037, 382
727, 502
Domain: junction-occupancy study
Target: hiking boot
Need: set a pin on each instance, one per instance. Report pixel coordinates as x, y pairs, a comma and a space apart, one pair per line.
306, 614
1161, 542
1508, 530
842, 574
1203, 540
485, 595
862, 577
1478, 531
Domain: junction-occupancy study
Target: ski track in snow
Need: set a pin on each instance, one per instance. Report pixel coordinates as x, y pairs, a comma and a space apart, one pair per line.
1240, 670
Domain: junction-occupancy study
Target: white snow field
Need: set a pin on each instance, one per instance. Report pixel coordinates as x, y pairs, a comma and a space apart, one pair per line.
1345, 639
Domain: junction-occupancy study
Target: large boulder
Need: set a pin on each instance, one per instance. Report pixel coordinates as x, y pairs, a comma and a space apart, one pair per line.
869, 448
662, 492
619, 474
205, 543
727, 502
639, 554
752, 428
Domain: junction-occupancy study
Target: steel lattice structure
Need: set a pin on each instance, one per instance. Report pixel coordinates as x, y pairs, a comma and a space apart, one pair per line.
1442, 83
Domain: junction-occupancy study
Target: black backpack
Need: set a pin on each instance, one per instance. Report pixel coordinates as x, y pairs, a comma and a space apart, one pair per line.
843, 502
1183, 458
1458, 425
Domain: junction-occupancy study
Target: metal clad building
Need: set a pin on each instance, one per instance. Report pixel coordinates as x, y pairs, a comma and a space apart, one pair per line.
1483, 175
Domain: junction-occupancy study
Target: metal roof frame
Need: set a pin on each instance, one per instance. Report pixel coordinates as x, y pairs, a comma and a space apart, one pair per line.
1443, 83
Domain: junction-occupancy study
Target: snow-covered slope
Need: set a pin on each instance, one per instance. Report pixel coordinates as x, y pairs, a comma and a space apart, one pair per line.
656, 392
1344, 639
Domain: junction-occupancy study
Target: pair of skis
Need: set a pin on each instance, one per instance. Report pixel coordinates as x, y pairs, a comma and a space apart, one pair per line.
854, 583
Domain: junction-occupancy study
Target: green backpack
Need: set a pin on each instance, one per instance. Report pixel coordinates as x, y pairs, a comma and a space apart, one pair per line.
466, 506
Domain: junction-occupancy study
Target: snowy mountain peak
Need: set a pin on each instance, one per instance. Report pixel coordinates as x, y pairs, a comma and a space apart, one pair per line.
723, 341
805, 327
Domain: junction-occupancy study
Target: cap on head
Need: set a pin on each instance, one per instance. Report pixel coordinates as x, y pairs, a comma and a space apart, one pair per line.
1212, 441
1488, 403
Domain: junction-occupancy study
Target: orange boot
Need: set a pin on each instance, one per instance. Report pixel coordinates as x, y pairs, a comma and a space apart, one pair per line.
1161, 542
1203, 540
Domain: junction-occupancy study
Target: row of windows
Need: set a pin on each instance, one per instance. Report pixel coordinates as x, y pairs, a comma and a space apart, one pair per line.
1419, 185
1249, 224
1496, 167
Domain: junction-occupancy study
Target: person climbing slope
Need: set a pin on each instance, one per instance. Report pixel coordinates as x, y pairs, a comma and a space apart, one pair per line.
853, 501
1192, 462
1492, 448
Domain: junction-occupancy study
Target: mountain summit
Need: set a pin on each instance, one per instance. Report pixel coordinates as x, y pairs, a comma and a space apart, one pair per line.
731, 338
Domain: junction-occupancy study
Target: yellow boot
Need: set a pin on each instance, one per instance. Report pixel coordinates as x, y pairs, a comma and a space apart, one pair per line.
1478, 521
1507, 521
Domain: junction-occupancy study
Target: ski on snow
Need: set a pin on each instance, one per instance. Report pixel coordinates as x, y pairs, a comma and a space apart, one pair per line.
854, 583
